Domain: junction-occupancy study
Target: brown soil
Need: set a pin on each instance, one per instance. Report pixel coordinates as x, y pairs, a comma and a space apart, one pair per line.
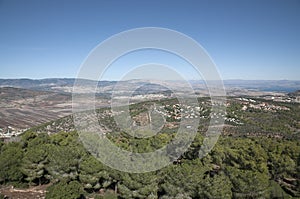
37, 192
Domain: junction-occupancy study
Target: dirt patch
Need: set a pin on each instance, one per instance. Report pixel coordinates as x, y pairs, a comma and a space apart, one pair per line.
37, 192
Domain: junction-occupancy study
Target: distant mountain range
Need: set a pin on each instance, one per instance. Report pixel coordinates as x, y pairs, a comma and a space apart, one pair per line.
66, 84
265, 85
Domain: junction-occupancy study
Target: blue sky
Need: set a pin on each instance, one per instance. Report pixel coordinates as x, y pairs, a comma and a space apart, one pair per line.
247, 39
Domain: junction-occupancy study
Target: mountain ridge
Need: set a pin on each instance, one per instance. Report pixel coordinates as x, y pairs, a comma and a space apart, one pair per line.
51, 84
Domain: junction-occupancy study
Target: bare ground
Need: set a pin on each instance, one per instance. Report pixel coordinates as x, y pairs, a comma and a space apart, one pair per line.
36, 192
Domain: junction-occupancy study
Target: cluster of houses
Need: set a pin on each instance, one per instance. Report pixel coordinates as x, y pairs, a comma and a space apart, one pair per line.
233, 120
250, 103
268, 107
291, 98
178, 111
9, 131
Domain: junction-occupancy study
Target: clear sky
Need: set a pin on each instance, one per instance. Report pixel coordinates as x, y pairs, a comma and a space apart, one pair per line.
247, 39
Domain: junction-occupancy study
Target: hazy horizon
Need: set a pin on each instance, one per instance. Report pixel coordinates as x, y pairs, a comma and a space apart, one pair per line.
44, 78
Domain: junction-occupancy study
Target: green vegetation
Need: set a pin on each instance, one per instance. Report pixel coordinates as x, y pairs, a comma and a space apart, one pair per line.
237, 167
10, 164
268, 121
65, 189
